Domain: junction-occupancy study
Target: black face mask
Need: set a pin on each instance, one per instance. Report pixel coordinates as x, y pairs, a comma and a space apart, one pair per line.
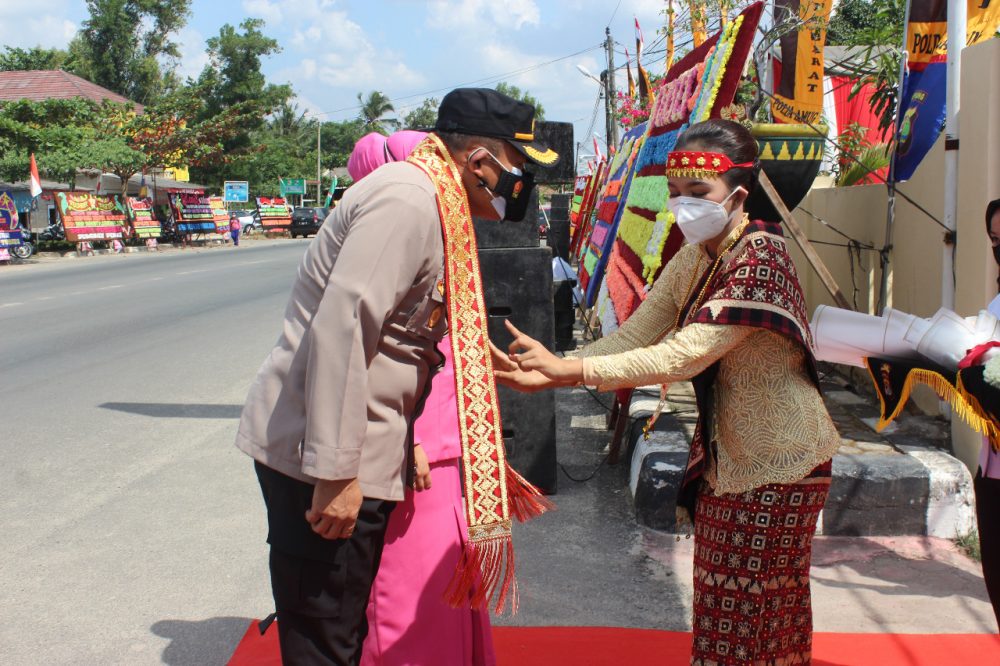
513, 188
516, 191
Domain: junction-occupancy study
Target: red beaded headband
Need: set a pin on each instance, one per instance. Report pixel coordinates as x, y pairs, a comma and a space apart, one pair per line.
691, 164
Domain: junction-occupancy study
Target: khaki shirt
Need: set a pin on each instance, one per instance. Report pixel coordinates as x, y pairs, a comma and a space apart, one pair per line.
336, 397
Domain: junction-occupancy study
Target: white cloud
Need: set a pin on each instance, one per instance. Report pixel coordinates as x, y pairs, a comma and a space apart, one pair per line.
194, 56
265, 9
336, 50
452, 14
42, 23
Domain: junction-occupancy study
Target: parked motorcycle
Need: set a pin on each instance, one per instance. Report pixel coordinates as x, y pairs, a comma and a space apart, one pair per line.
26, 248
53, 232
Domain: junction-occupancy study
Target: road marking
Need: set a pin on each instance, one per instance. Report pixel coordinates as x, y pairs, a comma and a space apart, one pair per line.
110, 286
251, 263
46, 298
200, 270
9, 305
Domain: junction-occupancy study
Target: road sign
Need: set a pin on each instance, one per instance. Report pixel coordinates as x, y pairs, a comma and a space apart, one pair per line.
292, 186
236, 191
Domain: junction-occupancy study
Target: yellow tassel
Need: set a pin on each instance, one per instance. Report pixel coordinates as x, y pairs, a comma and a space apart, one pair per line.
963, 403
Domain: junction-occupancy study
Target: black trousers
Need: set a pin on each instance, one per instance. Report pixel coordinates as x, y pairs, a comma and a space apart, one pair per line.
320, 586
988, 517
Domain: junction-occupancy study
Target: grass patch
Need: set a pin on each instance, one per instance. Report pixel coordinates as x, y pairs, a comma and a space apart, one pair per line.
969, 543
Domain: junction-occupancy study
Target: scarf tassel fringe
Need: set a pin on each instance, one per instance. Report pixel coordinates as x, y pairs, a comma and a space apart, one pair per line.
524, 499
486, 569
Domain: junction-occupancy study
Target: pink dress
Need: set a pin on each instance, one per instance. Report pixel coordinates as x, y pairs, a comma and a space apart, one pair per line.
409, 623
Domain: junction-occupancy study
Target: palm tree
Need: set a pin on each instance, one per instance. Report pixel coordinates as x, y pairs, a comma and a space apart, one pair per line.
372, 110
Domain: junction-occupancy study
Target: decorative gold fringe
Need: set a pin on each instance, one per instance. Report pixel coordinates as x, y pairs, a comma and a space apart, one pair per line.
983, 424
525, 500
963, 403
692, 172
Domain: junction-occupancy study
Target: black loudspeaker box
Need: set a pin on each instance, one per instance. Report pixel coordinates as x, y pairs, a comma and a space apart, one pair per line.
491, 233
559, 137
517, 285
558, 233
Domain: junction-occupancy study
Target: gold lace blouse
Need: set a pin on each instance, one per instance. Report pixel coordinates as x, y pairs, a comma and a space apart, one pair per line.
770, 422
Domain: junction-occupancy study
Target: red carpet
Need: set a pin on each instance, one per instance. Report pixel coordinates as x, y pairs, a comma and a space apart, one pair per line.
608, 646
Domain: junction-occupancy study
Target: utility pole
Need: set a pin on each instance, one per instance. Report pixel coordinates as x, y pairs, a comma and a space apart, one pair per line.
319, 175
957, 16
611, 126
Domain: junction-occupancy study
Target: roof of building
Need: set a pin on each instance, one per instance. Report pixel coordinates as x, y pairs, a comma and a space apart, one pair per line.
39, 85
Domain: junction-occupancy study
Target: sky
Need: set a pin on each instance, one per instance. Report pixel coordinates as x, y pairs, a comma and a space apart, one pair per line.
409, 50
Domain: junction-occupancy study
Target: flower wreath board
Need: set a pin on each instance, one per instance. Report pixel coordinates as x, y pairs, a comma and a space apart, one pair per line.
584, 224
695, 89
10, 230
609, 213
192, 211
144, 223
90, 217
275, 213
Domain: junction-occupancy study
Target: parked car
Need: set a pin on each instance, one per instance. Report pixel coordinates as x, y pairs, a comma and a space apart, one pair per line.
307, 221
249, 220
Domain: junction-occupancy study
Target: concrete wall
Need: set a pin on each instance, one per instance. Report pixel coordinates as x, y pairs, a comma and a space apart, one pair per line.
918, 241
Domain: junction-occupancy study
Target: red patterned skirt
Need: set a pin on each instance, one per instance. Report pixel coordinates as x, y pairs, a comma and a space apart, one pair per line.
751, 573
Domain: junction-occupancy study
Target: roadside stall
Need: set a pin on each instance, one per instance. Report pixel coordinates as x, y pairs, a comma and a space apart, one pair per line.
10, 230
88, 217
275, 214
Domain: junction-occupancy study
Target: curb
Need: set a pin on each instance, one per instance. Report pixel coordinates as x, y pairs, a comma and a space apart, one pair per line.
877, 489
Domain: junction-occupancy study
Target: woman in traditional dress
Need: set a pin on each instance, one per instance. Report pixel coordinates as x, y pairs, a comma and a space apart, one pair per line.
987, 480
409, 621
728, 314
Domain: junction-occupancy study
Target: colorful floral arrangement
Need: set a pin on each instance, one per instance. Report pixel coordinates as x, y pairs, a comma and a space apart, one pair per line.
696, 88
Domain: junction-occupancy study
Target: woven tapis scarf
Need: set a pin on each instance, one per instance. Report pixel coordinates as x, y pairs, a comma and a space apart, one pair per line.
494, 492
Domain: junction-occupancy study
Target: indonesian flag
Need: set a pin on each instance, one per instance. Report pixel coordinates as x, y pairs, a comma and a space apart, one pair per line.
597, 149
638, 38
36, 182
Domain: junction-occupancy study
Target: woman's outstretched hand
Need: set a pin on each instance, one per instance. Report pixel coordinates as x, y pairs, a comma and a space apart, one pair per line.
508, 374
530, 355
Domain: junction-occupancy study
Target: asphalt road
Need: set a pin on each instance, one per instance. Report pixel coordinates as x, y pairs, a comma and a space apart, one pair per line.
132, 528
134, 531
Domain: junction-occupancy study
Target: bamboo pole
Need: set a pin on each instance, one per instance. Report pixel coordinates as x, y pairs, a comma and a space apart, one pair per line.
793, 227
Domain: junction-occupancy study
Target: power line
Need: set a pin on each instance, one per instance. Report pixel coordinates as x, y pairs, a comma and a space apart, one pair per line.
488, 79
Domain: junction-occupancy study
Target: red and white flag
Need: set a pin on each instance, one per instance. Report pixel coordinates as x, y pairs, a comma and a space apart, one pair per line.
36, 182
597, 150
639, 43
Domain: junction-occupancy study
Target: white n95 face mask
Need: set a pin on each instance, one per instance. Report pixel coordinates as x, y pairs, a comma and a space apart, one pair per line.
700, 219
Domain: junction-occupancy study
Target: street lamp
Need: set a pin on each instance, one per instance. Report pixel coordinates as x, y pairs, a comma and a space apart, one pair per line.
586, 72
604, 82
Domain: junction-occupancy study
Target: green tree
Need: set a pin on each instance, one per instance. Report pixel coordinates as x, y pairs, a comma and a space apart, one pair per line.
124, 42
851, 18
373, 109
234, 84
423, 116
338, 139
36, 58
524, 96
57, 131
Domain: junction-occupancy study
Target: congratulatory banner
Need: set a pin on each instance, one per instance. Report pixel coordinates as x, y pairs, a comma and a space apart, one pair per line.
799, 94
